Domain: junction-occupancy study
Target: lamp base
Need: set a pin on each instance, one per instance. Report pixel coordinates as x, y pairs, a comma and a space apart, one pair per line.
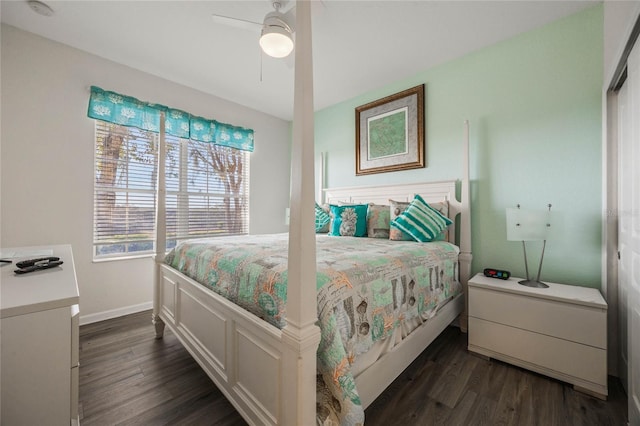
533, 283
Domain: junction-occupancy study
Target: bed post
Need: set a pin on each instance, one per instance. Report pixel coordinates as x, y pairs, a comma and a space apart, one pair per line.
301, 335
161, 235
465, 227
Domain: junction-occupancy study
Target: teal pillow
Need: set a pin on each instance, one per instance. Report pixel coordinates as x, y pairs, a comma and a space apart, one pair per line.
322, 220
421, 221
349, 220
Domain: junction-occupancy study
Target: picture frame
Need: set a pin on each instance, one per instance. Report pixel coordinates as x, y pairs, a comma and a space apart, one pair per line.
390, 133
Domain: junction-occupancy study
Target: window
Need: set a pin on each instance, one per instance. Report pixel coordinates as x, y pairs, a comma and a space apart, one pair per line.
207, 190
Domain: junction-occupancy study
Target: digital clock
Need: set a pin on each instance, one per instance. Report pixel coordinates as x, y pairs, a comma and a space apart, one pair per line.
497, 273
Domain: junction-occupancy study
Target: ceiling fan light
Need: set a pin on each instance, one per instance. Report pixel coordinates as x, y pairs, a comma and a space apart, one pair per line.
276, 41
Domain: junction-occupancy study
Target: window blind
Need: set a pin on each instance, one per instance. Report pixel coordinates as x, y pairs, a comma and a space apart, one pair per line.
207, 190
207, 194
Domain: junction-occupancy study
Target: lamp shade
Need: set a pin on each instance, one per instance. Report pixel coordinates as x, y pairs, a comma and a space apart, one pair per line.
528, 225
276, 40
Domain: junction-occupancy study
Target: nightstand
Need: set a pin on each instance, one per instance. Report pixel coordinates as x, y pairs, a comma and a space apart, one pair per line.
560, 331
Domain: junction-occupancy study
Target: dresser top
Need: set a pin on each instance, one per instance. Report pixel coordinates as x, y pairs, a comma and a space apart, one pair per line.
40, 290
561, 292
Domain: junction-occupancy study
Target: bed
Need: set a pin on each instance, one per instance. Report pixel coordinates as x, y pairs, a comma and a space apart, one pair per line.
242, 350
268, 367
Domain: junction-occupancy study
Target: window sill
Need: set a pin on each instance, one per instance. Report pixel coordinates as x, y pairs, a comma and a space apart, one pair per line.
119, 258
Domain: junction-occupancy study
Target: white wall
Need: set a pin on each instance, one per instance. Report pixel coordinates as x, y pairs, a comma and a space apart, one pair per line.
619, 18
47, 160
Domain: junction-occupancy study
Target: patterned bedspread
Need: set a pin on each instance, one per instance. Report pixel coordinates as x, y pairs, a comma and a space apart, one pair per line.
367, 288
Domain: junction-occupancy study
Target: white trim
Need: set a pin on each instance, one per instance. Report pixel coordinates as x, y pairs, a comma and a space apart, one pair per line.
114, 313
119, 258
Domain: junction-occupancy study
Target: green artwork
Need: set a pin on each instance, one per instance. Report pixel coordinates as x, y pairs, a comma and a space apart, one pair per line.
388, 134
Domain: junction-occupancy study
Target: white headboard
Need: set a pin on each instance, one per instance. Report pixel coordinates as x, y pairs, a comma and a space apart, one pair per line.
381, 194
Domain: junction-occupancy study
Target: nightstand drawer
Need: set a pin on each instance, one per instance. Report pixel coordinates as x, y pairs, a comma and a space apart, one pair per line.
554, 357
572, 322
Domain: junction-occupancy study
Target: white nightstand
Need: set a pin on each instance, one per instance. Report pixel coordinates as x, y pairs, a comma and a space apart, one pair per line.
560, 331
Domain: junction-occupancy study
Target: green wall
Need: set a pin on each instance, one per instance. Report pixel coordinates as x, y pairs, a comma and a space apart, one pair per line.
534, 105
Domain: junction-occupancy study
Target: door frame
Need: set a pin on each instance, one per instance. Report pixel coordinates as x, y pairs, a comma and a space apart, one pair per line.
610, 230
611, 172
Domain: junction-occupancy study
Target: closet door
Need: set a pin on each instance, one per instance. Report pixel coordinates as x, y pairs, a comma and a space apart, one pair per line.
629, 228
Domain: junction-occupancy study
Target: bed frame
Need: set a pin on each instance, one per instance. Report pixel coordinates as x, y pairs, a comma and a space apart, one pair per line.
269, 374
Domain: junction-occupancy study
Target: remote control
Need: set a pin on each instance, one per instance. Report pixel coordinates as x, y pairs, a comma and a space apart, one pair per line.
31, 262
497, 273
39, 266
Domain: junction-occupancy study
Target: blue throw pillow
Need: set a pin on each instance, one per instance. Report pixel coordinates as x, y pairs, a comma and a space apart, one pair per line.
421, 221
349, 220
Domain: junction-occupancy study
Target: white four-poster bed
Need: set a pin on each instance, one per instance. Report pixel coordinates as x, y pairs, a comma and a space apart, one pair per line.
268, 373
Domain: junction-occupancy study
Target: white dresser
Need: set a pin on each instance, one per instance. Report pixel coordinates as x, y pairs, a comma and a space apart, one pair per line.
560, 331
39, 329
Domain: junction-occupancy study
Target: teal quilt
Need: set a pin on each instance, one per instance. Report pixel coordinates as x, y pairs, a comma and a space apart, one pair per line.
367, 287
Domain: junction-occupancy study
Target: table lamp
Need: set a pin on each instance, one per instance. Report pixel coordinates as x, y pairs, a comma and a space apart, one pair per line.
529, 225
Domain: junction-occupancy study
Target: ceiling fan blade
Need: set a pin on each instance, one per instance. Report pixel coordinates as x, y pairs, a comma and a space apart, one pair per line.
242, 24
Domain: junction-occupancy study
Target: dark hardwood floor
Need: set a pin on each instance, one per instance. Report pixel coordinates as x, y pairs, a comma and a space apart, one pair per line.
127, 377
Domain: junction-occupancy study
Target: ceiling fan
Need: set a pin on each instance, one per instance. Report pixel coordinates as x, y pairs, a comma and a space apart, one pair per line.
276, 30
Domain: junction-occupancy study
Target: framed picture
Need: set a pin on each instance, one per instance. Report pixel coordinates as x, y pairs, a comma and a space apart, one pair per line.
390, 133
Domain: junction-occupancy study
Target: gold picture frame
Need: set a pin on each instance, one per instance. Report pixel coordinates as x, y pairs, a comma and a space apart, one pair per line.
390, 133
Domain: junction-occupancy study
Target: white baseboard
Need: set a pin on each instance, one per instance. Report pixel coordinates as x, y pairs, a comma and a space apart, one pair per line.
114, 313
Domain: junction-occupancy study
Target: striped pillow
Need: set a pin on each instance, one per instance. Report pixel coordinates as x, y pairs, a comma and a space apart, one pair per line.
421, 221
322, 220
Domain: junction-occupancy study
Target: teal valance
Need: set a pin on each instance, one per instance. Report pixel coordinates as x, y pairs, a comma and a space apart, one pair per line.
128, 111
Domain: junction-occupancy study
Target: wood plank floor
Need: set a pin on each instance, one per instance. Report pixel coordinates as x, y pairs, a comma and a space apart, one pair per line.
127, 377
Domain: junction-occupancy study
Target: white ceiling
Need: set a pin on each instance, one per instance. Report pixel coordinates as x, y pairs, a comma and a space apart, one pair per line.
358, 46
